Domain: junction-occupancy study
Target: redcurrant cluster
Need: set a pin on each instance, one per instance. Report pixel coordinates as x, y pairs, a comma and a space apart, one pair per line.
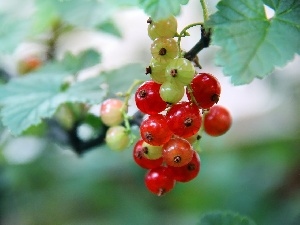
172, 125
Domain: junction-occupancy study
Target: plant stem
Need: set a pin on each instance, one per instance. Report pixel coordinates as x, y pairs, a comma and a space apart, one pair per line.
181, 34
201, 44
127, 96
205, 10
197, 148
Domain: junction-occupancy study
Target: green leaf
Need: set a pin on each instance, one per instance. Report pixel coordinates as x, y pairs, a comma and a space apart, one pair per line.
26, 101
13, 30
160, 9
251, 44
45, 16
225, 218
86, 59
119, 80
84, 13
109, 27
88, 91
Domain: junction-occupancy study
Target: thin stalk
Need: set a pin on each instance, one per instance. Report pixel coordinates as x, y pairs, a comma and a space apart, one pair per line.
205, 10
181, 34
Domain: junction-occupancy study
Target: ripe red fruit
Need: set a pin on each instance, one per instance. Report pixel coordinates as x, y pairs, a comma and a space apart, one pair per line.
206, 90
184, 119
141, 160
189, 171
159, 180
177, 152
217, 121
110, 112
154, 130
147, 98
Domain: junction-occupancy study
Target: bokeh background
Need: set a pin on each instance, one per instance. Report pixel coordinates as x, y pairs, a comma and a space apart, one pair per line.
253, 170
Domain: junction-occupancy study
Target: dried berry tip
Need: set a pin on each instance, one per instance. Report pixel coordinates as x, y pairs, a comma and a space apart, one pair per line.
173, 72
145, 150
148, 70
149, 20
162, 51
191, 166
215, 98
142, 93
149, 136
188, 122
177, 159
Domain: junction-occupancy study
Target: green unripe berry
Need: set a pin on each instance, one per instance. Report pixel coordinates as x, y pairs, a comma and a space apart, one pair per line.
117, 138
151, 152
171, 91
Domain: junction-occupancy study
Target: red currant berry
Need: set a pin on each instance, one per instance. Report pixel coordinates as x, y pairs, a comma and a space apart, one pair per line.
217, 121
189, 171
177, 152
160, 180
141, 160
154, 130
110, 112
147, 98
206, 90
184, 119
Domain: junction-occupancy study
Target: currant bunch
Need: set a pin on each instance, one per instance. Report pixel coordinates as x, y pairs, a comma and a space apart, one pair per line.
172, 125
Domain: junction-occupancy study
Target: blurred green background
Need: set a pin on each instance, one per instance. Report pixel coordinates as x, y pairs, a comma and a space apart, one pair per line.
253, 170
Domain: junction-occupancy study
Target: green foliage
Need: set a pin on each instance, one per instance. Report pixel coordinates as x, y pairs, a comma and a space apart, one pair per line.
252, 45
25, 103
110, 28
160, 9
225, 218
13, 30
85, 59
119, 80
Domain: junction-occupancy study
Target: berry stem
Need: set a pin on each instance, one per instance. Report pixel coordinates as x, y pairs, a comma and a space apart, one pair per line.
205, 10
181, 34
190, 90
200, 132
127, 96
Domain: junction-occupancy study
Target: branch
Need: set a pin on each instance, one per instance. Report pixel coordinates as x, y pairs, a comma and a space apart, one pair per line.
70, 137
201, 44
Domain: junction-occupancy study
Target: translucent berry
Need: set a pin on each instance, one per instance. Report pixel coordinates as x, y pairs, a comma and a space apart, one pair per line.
160, 180
154, 130
171, 92
177, 152
117, 138
147, 98
206, 90
164, 49
110, 112
184, 119
189, 171
141, 160
162, 28
217, 121
151, 152
181, 70
157, 71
